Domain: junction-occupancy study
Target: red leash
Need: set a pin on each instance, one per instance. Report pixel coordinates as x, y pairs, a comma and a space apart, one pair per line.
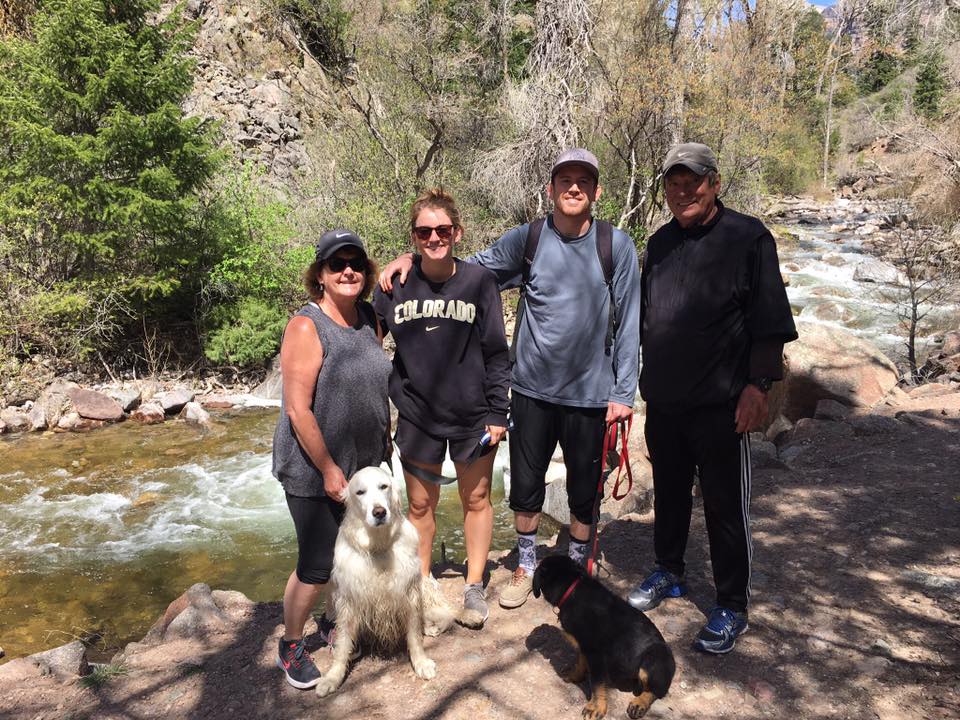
610, 457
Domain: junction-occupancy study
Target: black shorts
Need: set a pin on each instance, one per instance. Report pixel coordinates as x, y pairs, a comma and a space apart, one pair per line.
317, 520
419, 445
538, 427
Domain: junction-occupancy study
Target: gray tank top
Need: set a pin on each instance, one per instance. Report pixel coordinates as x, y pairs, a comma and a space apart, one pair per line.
349, 402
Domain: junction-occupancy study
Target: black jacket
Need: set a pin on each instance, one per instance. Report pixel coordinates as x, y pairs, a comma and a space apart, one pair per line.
713, 311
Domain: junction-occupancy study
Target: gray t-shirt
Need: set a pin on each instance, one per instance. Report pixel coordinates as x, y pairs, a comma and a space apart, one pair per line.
349, 402
560, 346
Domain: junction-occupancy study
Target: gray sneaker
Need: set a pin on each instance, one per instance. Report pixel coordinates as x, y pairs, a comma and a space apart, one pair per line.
658, 586
475, 610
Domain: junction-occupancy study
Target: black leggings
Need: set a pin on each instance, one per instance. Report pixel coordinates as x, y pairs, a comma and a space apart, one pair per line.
317, 520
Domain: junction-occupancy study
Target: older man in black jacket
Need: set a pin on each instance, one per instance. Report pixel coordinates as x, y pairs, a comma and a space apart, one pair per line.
714, 319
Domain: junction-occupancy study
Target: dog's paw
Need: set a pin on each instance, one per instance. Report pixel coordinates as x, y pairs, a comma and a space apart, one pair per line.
471, 619
636, 709
593, 711
326, 686
426, 669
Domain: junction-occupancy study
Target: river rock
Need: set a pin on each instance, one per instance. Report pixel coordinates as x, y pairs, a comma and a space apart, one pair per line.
194, 414
830, 311
149, 414
195, 614
217, 402
94, 405
828, 362
831, 410
272, 386
50, 406
128, 398
15, 419
69, 421
933, 389
65, 663
951, 343
875, 271
173, 401
866, 425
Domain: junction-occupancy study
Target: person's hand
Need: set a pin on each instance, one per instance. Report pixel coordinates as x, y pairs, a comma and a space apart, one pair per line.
334, 483
618, 411
401, 265
496, 433
752, 409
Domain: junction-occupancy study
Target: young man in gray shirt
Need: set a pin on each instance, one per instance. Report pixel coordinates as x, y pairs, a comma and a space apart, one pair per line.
567, 383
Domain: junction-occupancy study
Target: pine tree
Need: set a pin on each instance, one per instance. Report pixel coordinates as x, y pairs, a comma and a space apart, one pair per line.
100, 172
931, 85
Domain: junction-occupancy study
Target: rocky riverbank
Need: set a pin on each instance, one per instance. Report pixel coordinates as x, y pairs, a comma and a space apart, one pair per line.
854, 612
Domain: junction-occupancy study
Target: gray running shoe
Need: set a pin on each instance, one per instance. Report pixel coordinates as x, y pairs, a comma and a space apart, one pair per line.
658, 586
475, 609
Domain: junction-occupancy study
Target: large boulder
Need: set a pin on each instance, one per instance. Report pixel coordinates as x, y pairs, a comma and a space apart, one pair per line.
50, 406
128, 398
828, 362
272, 386
94, 405
199, 613
875, 271
173, 401
65, 663
15, 419
149, 413
194, 414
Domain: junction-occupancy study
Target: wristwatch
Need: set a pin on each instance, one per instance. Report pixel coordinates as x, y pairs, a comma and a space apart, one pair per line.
763, 384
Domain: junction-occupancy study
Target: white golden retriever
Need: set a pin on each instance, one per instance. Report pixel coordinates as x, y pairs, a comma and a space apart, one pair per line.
379, 591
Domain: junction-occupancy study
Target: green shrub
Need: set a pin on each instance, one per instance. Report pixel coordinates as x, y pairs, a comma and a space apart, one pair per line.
792, 160
245, 333
931, 85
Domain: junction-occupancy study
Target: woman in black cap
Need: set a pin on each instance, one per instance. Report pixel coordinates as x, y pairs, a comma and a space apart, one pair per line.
334, 420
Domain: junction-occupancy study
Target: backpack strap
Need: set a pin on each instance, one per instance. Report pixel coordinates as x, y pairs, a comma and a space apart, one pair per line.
605, 256
529, 252
605, 253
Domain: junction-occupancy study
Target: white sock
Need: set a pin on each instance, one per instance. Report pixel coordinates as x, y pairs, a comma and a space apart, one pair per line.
527, 548
577, 550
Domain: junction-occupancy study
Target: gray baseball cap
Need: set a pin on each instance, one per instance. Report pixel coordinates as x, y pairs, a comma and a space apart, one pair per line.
576, 156
693, 156
334, 240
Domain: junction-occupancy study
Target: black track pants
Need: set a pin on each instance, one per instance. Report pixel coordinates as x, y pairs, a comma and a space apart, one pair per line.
703, 438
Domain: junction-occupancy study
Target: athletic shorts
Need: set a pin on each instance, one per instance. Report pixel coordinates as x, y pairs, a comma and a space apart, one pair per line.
538, 427
317, 520
419, 445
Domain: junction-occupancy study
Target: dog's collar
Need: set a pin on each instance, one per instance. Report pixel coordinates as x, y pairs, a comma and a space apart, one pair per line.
568, 593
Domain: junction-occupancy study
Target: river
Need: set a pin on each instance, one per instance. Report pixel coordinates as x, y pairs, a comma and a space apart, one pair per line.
100, 531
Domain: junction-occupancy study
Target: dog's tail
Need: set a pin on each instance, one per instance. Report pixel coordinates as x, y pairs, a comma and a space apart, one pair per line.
437, 613
658, 661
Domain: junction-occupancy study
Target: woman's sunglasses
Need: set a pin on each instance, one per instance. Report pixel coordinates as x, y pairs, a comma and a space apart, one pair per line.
357, 264
444, 232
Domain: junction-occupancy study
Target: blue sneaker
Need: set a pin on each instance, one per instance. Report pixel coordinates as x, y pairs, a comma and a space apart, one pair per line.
658, 586
720, 633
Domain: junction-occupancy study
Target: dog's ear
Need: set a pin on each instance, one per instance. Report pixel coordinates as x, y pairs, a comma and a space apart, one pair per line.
536, 582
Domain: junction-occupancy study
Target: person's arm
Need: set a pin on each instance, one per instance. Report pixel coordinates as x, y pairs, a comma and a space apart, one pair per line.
626, 342
770, 324
496, 360
301, 357
401, 265
505, 257
379, 306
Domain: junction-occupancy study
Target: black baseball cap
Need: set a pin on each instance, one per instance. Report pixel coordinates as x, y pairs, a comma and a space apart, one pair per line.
694, 156
334, 240
576, 156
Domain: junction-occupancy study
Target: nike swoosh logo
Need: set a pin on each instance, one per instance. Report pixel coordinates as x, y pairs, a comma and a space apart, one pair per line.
340, 235
432, 328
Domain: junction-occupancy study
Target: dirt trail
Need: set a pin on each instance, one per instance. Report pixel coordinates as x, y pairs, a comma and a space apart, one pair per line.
855, 614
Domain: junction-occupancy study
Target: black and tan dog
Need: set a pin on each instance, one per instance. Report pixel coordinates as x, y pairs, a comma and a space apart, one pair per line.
616, 644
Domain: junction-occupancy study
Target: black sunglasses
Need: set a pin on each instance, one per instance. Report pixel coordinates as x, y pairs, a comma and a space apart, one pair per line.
357, 264
444, 232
